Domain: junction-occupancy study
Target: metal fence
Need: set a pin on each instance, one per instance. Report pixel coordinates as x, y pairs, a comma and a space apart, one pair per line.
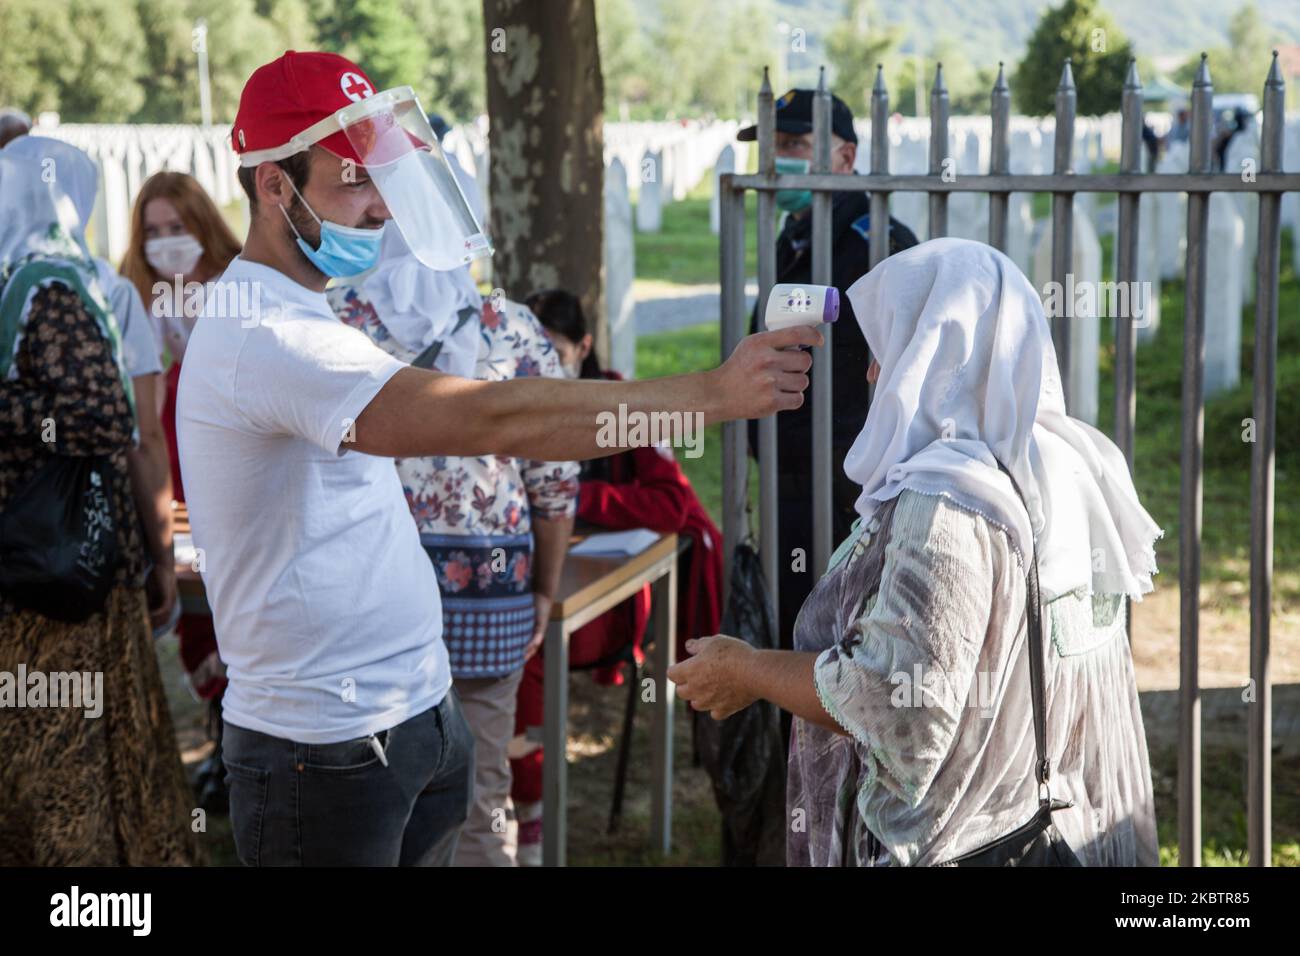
1129, 183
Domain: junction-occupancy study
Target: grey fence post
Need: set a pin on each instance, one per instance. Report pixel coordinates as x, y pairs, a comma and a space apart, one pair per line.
1126, 273
1259, 778
822, 263
768, 543
1189, 499
1000, 159
1063, 221
735, 461
938, 153
879, 243
1126, 261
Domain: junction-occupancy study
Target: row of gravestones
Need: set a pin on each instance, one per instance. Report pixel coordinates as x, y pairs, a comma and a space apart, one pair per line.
129, 154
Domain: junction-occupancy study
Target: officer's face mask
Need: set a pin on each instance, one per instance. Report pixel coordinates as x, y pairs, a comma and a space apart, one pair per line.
343, 250
793, 200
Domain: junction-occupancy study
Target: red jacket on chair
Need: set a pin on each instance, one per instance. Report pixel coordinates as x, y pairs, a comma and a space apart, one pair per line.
647, 489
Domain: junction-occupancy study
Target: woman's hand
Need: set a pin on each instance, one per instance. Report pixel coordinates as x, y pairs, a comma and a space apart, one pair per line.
160, 592
714, 677
541, 618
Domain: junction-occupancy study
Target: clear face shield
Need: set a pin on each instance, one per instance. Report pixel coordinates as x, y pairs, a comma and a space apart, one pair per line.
395, 143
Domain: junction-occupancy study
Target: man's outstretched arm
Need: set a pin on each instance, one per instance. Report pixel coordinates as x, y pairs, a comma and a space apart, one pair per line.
420, 413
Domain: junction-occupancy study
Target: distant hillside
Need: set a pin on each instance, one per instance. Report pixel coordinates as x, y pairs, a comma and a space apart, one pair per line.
998, 29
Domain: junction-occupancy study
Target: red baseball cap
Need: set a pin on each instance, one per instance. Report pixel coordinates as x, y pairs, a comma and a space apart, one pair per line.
288, 96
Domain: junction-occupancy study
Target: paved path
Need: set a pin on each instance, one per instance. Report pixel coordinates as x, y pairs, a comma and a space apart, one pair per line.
661, 306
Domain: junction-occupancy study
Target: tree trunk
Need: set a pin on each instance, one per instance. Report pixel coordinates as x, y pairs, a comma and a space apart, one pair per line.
545, 98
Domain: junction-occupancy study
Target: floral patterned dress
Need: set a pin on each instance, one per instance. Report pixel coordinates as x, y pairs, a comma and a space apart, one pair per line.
475, 514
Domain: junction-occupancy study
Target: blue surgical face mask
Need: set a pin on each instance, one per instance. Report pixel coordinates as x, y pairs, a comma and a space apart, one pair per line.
793, 200
344, 250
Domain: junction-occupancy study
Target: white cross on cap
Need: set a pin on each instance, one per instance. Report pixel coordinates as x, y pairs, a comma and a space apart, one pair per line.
354, 86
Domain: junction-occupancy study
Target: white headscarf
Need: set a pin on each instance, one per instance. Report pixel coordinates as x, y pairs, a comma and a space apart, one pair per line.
37, 215
39, 224
969, 378
73, 173
71, 169
419, 306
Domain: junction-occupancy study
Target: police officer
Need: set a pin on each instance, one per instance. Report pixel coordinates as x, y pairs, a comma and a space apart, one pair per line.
850, 259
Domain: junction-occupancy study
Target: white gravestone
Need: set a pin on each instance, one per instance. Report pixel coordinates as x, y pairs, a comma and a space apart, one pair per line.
1243, 157
1223, 276
1080, 301
726, 164
620, 270
1171, 215
1148, 270
649, 203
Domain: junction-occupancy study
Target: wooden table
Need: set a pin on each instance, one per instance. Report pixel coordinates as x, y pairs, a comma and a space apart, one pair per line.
189, 582
590, 586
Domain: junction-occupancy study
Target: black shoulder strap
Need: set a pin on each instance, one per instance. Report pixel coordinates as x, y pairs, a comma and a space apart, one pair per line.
1037, 649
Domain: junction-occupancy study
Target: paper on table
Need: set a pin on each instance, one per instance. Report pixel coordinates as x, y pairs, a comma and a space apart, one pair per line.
626, 543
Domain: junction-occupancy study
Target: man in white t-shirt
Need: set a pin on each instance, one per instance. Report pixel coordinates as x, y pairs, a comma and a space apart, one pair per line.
343, 740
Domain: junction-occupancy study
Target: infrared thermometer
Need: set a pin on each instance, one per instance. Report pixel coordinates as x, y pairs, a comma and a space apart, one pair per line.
798, 304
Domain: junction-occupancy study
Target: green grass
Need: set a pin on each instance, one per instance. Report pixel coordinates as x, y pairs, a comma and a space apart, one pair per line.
684, 250
1223, 807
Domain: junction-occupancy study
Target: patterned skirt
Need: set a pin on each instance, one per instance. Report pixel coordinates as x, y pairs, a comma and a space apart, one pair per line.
486, 584
91, 774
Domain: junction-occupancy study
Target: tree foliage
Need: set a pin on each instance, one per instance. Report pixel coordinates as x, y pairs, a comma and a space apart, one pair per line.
1098, 54
1242, 66
854, 48
108, 61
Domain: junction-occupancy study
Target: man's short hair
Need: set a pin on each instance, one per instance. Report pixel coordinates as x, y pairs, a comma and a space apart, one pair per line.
297, 167
13, 123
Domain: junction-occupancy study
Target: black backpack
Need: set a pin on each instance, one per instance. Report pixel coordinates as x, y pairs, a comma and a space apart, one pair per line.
58, 539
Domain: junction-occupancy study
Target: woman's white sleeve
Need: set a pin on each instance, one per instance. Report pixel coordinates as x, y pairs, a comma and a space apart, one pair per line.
899, 678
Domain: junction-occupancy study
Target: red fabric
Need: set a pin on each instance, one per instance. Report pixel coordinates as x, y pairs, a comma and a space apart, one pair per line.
293, 93
199, 656
198, 641
655, 494
647, 489
599, 639
172, 382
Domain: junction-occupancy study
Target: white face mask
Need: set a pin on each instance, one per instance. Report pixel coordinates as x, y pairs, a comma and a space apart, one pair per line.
173, 255
570, 371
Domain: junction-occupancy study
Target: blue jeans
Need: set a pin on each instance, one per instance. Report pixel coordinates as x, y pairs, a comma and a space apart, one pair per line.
294, 804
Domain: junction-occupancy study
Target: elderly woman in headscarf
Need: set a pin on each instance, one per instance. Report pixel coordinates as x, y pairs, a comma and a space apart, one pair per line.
99, 784
496, 529
910, 679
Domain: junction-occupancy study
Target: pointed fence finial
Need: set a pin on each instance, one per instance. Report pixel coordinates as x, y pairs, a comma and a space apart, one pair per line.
1274, 74
1132, 81
1067, 77
1203, 72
